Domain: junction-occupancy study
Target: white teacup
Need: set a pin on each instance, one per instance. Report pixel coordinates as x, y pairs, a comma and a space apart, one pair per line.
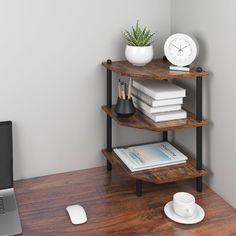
184, 204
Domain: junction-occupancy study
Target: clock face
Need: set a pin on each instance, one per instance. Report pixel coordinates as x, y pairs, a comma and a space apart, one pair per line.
180, 49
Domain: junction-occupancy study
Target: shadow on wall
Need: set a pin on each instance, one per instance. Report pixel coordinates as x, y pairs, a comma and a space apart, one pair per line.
207, 112
190, 104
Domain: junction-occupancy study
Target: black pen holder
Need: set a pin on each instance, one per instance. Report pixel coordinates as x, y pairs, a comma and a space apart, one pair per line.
124, 107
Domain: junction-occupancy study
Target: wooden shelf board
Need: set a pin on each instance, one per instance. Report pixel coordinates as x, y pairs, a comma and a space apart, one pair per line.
159, 175
141, 121
155, 70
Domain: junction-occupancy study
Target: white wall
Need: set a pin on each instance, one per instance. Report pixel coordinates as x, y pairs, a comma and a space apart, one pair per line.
52, 84
212, 23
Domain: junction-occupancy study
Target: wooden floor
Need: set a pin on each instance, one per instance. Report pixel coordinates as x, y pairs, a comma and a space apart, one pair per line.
112, 206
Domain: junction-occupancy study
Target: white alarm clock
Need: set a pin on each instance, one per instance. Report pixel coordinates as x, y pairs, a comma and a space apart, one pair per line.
181, 50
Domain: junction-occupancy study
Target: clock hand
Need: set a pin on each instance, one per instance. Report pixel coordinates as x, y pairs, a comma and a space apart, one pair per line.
184, 47
175, 46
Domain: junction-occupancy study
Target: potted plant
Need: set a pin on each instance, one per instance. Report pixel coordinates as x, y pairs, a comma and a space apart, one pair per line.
139, 50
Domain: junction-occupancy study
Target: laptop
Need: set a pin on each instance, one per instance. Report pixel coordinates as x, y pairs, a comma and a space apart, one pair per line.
9, 217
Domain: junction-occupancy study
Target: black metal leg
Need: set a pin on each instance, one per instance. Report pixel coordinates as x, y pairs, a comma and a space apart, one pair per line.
199, 132
164, 136
109, 140
139, 184
199, 184
109, 120
109, 166
109, 88
199, 98
199, 157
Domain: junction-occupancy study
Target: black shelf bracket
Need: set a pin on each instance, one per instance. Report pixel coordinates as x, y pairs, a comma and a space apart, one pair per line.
109, 120
199, 131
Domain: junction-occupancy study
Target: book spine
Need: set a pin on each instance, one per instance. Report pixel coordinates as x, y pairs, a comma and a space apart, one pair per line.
168, 102
150, 109
151, 116
144, 89
176, 116
179, 68
163, 116
158, 166
162, 95
156, 103
144, 97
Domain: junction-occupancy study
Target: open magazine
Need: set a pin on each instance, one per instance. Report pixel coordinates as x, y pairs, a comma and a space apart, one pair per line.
149, 156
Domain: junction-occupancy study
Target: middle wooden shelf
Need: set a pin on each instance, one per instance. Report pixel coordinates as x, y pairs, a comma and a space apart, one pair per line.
141, 121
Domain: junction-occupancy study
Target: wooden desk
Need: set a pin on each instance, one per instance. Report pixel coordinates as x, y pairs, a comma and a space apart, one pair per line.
112, 207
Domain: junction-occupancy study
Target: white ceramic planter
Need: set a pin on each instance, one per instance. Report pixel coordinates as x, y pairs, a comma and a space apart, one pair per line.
139, 56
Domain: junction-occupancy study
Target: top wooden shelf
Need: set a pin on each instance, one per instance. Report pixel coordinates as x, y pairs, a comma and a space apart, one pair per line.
158, 69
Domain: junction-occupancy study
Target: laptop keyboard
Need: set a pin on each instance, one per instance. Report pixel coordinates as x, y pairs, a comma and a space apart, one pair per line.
2, 210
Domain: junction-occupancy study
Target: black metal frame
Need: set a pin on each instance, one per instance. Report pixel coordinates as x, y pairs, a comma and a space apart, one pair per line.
199, 131
109, 120
164, 134
139, 184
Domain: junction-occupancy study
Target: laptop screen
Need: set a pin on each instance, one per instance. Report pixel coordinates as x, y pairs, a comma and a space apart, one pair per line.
6, 168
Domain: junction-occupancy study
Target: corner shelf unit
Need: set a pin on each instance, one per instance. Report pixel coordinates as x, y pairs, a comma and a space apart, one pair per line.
158, 69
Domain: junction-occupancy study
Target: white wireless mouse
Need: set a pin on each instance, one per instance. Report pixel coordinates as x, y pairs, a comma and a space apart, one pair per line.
77, 214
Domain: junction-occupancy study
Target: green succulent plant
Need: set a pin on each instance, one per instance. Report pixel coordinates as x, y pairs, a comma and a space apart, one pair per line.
138, 37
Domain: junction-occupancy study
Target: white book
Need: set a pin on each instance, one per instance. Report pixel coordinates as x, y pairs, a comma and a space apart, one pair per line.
180, 68
159, 89
149, 156
164, 116
156, 103
150, 109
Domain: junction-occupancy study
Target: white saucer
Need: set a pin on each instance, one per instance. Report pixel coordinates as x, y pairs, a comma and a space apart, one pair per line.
197, 217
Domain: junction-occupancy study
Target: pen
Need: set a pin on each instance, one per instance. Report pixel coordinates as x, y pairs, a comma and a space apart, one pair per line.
123, 90
129, 89
126, 90
119, 89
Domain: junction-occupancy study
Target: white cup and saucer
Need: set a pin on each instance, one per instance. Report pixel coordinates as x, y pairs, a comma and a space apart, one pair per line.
183, 209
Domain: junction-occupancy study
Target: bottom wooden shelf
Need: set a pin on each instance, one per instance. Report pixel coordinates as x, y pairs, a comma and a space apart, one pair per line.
159, 175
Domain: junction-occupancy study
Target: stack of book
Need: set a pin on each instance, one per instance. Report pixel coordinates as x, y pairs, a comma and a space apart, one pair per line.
150, 156
159, 100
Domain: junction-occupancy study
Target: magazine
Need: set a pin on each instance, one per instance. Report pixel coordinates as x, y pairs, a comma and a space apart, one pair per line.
149, 156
